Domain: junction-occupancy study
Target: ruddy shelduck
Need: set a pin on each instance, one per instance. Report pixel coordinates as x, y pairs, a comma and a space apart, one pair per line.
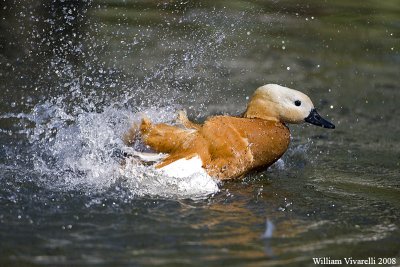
229, 147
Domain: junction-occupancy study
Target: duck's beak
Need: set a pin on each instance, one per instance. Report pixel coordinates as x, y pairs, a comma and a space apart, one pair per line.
316, 119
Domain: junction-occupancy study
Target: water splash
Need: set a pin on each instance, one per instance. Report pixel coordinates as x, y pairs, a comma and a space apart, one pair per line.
84, 152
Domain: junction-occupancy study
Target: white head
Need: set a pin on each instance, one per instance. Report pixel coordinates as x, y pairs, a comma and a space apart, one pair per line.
275, 102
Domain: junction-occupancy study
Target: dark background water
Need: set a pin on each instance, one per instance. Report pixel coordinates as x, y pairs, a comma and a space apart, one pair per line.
74, 72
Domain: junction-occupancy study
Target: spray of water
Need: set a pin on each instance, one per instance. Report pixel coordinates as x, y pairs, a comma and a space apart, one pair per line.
84, 152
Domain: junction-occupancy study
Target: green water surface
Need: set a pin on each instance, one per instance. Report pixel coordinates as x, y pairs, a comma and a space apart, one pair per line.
335, 194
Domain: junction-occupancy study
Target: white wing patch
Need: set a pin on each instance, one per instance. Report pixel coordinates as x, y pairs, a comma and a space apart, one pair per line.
184, 168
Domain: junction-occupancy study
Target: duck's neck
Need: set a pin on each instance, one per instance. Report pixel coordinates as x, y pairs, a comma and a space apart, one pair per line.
261, 109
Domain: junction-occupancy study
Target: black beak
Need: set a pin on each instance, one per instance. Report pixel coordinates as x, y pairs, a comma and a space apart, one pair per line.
316, 119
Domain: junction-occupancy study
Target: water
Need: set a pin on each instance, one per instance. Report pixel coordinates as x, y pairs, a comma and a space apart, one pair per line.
75, 75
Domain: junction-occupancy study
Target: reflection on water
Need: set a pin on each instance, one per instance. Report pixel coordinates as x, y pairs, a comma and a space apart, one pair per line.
75, 74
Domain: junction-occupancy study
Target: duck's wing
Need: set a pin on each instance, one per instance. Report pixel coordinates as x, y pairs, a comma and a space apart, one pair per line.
231, 156
164, 138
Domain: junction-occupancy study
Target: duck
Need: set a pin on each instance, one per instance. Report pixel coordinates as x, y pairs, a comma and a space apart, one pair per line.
228, 147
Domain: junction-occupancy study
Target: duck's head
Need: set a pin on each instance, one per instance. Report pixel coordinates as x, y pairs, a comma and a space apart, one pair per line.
275, 102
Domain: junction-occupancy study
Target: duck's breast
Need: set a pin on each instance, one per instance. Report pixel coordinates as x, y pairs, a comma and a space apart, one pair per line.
268, 141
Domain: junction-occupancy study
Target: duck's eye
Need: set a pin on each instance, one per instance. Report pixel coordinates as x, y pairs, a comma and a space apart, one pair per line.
297, 102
